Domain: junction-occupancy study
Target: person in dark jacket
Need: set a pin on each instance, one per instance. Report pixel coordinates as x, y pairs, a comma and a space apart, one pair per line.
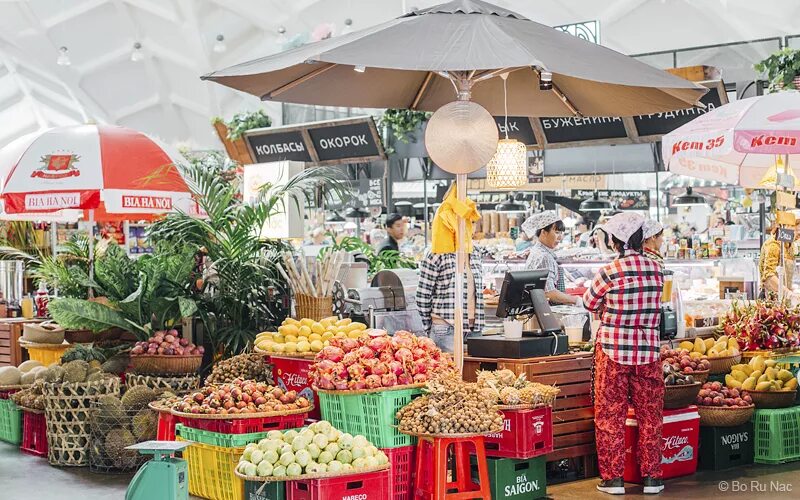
396, 227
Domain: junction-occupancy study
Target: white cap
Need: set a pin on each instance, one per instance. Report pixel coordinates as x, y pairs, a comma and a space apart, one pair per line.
539, 221
623, 225
651, 228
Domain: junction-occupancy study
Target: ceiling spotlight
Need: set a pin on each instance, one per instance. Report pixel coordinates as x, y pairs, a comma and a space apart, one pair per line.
595, 204
137, 54
63, 57
348, 26
689, 199
359, 69
545, 80
219, 45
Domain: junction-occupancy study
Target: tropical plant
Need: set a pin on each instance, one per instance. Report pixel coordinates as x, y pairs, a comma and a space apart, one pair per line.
247, 120
240, 275
781, 69
139, 295
388, 259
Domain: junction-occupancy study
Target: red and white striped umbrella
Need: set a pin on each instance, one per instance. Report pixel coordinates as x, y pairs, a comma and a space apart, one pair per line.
118, 172
738, 143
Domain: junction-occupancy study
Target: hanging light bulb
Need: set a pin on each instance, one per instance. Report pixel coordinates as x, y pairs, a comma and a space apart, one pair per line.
63, 57
507, 168
219, 45
137, 54
348, 26
280, 41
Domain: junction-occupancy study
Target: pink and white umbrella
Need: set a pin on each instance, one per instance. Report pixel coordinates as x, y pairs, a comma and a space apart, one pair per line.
738, 143
118, 172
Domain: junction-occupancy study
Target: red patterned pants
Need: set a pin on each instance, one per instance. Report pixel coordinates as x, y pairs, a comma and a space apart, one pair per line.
615, 386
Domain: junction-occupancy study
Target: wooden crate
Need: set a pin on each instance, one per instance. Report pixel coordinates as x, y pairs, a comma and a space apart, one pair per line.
10, 333
573, 412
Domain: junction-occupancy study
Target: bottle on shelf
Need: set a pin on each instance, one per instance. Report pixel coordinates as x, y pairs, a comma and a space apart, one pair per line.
13, 309
42, 300
26, 307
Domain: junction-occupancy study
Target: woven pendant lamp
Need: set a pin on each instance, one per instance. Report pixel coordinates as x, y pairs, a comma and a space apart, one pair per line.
507, 168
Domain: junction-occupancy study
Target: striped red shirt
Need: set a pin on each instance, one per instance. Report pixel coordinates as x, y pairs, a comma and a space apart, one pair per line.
627, 295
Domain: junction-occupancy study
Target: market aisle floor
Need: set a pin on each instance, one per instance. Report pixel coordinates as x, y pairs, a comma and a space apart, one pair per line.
25, 477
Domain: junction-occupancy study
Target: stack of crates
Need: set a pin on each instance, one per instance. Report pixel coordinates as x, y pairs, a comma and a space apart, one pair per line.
216, 448
10, 422
372, 415
725, 447
517, 464
777, 435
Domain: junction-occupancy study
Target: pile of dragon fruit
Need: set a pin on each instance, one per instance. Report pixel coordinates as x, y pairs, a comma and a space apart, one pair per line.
377, 360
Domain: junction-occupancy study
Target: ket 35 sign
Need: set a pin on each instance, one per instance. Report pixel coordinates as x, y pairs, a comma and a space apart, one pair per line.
351, 140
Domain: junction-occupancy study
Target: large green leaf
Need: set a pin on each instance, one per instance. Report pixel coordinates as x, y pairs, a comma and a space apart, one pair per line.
78, 314
187, 307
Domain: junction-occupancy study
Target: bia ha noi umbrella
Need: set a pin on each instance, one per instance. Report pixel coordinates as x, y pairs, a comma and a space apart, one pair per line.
110, 171
457, 51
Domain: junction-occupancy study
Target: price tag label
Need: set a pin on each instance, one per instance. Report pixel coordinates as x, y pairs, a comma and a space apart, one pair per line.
706, 322
785, 235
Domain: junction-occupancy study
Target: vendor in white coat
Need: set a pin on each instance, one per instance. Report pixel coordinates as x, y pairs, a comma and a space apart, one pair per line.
546, 230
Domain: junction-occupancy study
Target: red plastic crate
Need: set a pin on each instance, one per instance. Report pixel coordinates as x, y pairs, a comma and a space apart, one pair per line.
166, 426
680, 437
367, 486
526, 434
34, 434
291, 374
7, 394
401, 480
245, 425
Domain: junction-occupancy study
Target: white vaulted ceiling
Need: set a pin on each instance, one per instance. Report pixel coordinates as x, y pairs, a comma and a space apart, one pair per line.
164, 96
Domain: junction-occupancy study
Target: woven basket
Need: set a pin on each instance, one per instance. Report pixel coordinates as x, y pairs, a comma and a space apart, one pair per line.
772, 399
179, 384
316, 308
724, 416
680, 396
67, 408
112, 428
159, 364
700, 376
723, 365
771, 353
43, 333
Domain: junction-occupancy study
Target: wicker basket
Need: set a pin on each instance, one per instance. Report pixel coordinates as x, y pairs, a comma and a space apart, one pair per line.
43, 333
724, 416
316, 308
67, 408
723, 365
112, 428
160, 364
177, 384
772, 399
680, 396
700, 376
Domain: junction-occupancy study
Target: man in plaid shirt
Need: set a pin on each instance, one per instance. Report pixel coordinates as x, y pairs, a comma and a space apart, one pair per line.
436, 295
627, 295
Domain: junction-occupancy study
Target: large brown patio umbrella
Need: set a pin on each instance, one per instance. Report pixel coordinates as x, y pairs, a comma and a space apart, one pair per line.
456, 51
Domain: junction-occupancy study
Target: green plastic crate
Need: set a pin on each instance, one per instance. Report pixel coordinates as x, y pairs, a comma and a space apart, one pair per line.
10, 422
371, 415
777, 435
218, 438
509, 478
271, 491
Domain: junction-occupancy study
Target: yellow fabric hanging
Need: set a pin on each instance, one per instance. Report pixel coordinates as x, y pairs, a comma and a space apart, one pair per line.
445, 223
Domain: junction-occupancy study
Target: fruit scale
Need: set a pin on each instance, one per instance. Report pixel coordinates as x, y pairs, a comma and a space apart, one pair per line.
162, 478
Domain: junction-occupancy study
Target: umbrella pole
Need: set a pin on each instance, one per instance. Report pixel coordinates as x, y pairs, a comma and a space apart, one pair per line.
91, 248
461, 254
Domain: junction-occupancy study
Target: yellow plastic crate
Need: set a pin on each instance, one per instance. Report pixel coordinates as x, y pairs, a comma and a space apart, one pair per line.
211, 471
47, 355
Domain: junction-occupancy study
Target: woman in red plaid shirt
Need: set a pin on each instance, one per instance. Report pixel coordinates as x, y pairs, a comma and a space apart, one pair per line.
627, 295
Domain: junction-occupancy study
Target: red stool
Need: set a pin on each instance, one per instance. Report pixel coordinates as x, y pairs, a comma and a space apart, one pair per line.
435, 485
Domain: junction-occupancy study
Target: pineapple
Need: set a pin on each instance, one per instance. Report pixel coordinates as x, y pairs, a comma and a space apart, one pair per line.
521, 381
486, 378
529, 394
505, 378
490, 394
509, 396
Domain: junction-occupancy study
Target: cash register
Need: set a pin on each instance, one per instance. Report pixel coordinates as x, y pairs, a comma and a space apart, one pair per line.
522, 295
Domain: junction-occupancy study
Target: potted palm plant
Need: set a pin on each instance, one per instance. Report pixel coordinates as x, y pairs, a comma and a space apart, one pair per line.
782, 69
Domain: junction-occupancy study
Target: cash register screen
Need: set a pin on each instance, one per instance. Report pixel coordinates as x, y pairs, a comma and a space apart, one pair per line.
513, 297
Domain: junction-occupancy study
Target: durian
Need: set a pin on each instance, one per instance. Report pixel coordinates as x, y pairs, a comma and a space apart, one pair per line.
509, 396
144, 425
109, 410
95, 376
75, 371
116, 441
137, 397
